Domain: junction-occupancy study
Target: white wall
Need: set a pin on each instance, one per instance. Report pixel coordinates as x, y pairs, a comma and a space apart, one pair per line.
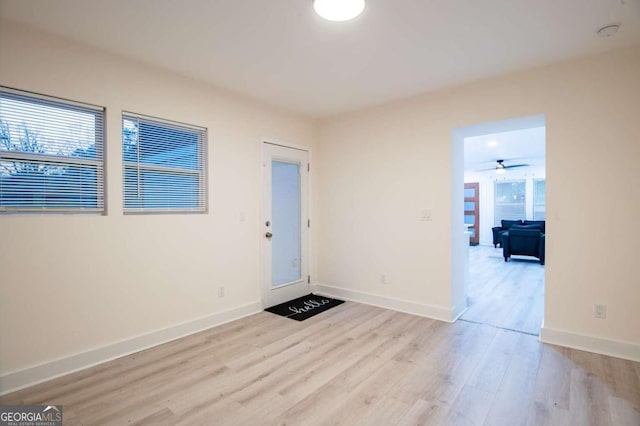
376, 171
72, 283
381, 166
486, 191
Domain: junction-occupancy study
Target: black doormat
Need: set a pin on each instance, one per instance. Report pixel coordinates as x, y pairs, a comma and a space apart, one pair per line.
304, 307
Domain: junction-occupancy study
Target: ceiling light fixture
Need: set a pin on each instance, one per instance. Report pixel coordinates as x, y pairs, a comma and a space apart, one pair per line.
500, 168
338, 10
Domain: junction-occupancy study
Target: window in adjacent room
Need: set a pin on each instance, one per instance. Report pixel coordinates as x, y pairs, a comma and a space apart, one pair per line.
510, 201
539, 199
164, 166
51, 154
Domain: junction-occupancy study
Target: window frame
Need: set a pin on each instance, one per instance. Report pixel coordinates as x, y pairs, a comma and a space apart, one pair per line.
535, 203
60, 160
497, 220
200, 173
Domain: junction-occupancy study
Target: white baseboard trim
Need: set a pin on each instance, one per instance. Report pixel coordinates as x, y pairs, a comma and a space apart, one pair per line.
597, 345
30, 376
406, 306
458, 310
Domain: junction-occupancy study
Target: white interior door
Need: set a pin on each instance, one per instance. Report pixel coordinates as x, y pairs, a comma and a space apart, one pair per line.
285, 223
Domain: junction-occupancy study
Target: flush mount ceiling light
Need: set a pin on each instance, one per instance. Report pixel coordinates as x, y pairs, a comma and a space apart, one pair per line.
608, 30
338, 10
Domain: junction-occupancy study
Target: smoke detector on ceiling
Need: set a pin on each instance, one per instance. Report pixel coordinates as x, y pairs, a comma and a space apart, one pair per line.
608, 30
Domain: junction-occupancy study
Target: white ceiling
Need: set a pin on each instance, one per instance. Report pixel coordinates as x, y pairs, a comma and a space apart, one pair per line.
526, 146
281, 52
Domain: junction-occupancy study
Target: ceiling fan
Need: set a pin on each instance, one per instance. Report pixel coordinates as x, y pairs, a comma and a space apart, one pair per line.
500, 167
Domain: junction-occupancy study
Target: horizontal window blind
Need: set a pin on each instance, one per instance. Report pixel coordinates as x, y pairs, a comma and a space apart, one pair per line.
509, 201
539, 199
164, 166
51, 154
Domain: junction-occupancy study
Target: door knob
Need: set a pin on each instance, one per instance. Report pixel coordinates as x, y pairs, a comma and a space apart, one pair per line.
268, 235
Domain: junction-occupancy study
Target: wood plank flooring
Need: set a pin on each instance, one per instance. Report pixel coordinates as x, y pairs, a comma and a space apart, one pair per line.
354, 364
509, 295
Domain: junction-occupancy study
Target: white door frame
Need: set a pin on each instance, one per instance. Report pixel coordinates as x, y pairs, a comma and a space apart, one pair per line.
305, 251
459, 241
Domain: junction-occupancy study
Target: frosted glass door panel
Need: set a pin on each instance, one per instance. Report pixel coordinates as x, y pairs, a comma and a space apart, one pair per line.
285, 214
472, 211
470, 220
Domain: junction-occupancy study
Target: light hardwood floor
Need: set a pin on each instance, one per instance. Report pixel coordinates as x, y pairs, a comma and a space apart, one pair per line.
353, 364
509, 295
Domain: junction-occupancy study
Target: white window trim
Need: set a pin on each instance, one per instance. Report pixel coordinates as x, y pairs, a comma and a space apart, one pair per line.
200, 173
99, 164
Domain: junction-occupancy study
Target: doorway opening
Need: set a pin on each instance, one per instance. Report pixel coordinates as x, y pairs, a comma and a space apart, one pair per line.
503, 205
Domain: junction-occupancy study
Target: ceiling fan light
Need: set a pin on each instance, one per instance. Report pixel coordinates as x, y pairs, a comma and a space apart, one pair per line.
500, 170
338, 10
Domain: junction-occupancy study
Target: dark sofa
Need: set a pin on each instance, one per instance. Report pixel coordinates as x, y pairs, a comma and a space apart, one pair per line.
499, 231
527, 240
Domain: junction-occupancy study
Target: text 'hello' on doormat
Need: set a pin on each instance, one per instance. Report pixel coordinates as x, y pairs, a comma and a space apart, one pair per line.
304, 307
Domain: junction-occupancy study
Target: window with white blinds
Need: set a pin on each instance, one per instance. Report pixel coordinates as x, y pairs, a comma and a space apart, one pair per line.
51, 154
539, 199
164, 166
510, 201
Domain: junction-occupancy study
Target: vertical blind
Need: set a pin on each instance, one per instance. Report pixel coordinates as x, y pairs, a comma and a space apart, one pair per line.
164, 165
510, 202
51, 154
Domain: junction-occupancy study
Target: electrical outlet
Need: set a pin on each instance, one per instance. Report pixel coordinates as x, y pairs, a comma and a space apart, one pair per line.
220, 291
383, 278
600, 311
425, 215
